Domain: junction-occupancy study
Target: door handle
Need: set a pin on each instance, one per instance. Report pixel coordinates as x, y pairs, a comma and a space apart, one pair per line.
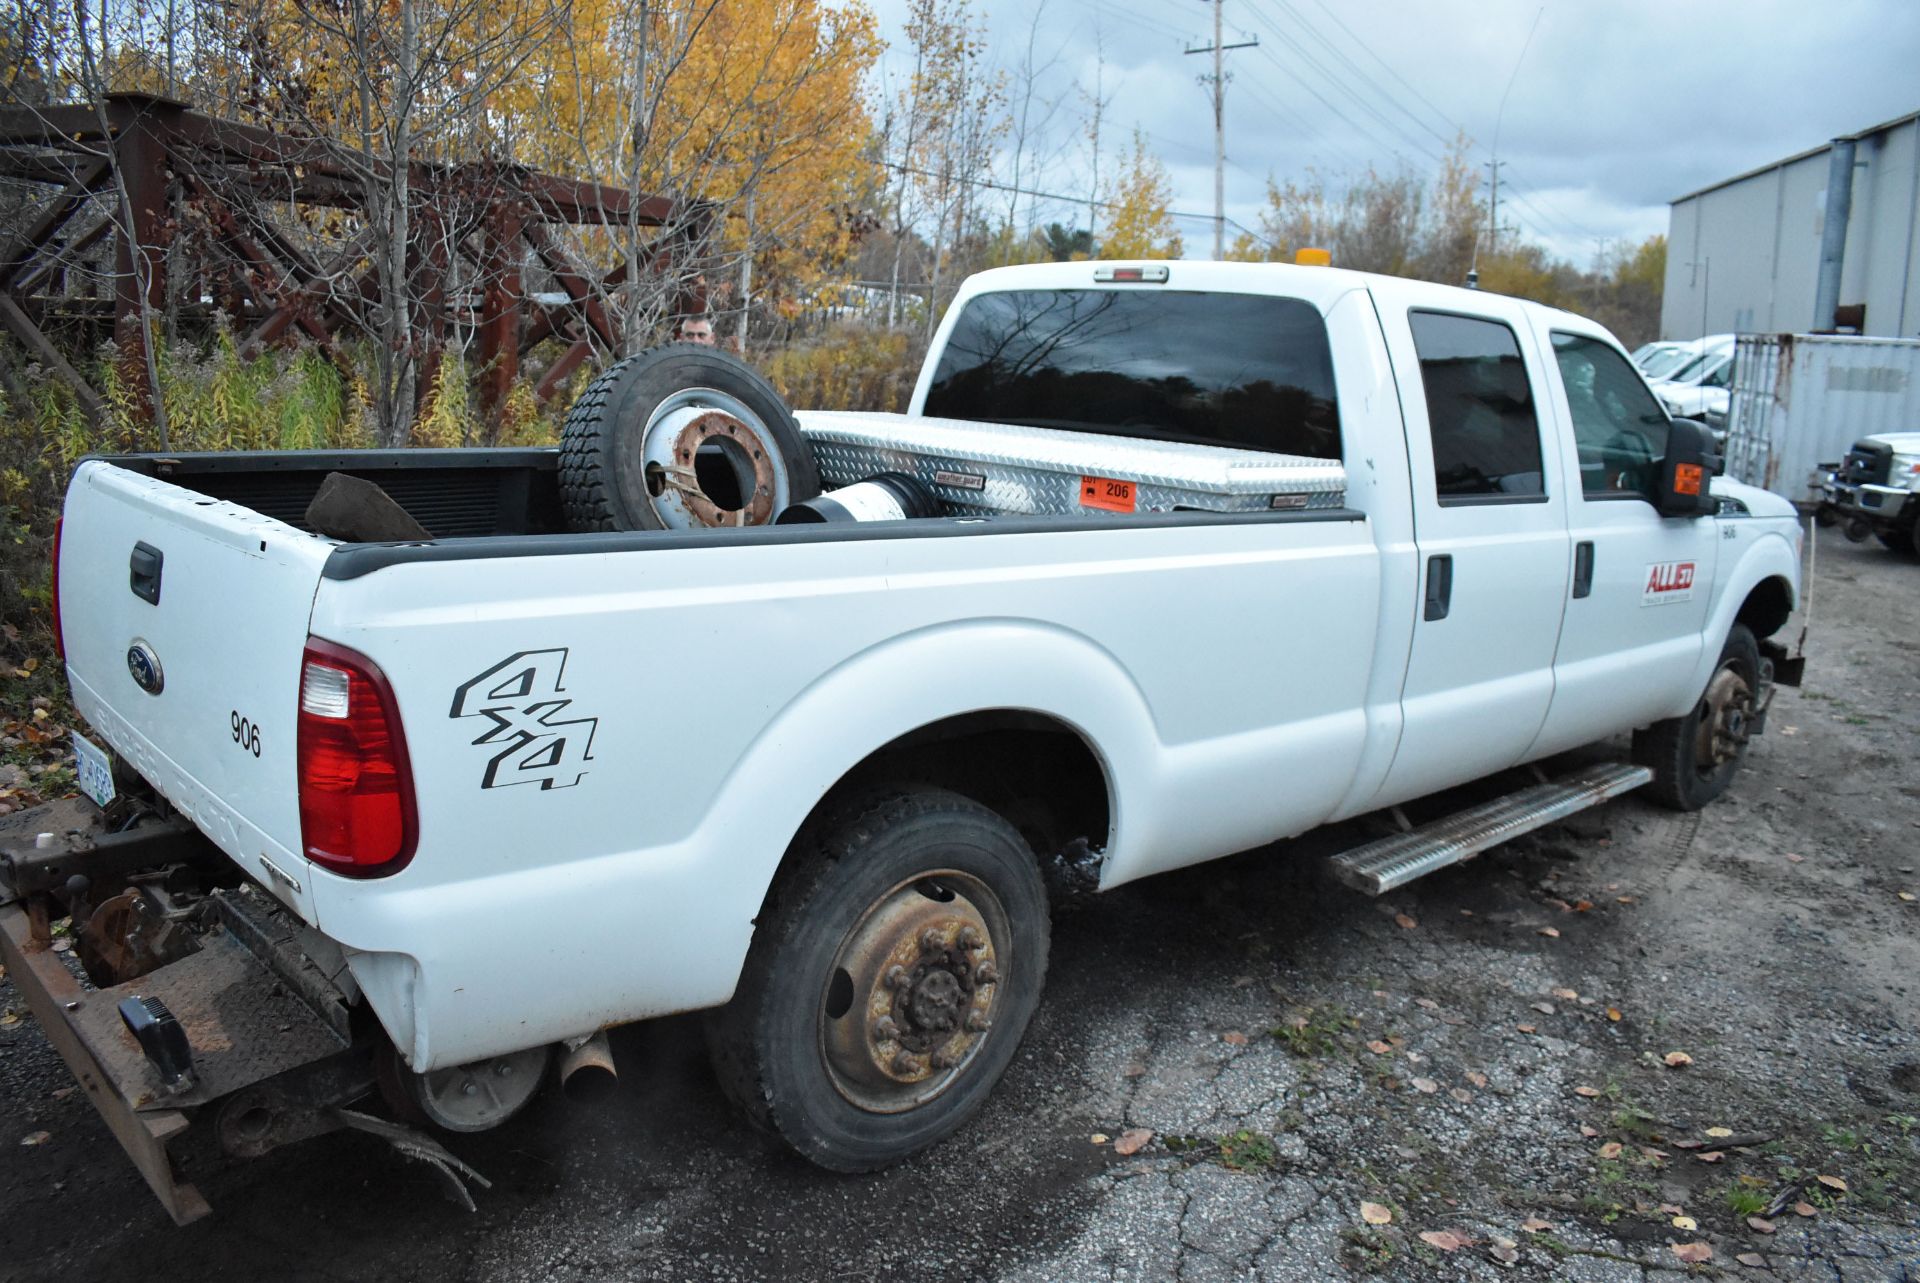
1439, 585
143, 571
1583, 568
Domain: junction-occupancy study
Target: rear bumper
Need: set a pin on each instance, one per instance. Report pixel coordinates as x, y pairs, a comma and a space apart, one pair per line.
54, 994
255, 1012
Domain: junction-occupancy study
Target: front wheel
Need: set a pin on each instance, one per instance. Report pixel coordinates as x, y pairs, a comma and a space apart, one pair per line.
1695, 757
892, 974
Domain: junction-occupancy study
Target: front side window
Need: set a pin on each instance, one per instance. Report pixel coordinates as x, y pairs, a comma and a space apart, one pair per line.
1486, 436
1619, 428
1244, 370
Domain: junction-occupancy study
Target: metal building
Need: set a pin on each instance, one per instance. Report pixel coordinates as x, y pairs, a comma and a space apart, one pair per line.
1820, 241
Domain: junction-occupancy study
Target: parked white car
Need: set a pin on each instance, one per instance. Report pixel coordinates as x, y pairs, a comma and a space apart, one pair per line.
1705, 391
1663, 364
1648, 354
495, 790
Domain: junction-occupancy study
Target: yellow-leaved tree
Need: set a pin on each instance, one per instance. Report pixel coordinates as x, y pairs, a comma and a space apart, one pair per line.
753, 108
1139, 221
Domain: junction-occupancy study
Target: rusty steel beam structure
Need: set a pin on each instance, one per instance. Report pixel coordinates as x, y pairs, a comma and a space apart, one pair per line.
184, 193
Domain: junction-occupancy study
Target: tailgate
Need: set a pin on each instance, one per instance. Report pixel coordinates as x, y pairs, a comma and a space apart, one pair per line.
184, 620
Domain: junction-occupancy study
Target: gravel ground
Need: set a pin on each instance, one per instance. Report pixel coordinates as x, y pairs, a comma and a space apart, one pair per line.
1482, 1056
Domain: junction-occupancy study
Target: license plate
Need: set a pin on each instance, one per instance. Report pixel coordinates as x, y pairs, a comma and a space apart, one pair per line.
95, 769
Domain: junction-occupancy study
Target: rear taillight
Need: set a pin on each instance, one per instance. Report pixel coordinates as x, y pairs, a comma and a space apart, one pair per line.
356, 785
59, 639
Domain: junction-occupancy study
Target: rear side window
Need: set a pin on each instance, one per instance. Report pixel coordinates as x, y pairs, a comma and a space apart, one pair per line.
1243, 370
1619, 429
1486, 437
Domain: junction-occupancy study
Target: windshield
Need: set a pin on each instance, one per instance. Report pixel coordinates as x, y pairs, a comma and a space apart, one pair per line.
1243, 370
1661, 364
1698, 366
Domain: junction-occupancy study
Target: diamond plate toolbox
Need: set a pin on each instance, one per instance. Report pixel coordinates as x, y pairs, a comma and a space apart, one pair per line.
987, 469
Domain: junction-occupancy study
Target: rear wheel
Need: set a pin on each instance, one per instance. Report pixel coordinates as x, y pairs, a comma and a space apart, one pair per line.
1695, 757
892, 975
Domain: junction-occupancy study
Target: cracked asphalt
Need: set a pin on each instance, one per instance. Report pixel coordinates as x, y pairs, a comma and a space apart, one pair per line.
1482, 1055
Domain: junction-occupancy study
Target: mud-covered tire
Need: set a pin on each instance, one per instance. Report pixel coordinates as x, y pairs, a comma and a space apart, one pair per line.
819, 958
1683, 780
606, 482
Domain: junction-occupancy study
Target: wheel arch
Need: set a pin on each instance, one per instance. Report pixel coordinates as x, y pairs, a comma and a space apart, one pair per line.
1767, 606
919, 705
1037, 770
1761, 591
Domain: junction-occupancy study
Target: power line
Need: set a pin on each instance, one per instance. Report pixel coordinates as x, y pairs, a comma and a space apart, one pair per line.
990, 184
1444, 118
1361, 74
1560, 215
1493, 209
1163, 29
1340, 83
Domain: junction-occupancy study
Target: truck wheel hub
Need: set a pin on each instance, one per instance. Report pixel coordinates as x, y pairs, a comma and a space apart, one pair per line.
935, 1004
699, 437
910, 998
1726, 719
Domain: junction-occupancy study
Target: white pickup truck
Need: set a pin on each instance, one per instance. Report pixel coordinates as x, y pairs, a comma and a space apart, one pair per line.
458, 804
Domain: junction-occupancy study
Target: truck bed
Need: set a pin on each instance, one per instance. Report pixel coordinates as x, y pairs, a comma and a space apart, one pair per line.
454, 493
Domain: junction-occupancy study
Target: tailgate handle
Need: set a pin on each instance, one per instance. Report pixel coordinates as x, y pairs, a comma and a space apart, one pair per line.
143, 572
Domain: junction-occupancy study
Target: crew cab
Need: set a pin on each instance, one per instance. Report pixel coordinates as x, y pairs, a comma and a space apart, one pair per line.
484, 794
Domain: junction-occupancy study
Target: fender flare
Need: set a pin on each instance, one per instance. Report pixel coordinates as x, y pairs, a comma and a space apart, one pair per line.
1770, 556
908, 682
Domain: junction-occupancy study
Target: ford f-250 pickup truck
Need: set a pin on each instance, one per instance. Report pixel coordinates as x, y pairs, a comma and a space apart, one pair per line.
429, 814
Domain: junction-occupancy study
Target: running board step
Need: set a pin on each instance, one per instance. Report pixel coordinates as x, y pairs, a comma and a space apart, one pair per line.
1380, 866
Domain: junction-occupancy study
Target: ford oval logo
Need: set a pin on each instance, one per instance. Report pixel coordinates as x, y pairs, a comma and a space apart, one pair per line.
145, 667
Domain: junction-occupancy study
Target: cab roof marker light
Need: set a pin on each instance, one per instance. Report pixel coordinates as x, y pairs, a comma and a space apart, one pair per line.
1144, 274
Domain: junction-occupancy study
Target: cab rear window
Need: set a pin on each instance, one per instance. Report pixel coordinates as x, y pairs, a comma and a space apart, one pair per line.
1244, 370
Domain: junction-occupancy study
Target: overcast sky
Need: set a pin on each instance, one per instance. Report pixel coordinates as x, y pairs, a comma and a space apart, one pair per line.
1617, 106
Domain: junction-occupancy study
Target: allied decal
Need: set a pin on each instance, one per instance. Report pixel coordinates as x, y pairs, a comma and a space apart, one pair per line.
525, 707
1668, 582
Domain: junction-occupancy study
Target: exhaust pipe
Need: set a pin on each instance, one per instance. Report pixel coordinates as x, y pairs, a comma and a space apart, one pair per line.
587, 1074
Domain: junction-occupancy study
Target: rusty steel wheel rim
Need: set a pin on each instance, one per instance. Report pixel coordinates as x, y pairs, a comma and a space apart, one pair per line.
697, 419
909, 1000
1726, 720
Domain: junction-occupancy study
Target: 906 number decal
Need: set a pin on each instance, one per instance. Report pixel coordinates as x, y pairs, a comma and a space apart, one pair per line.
246, 733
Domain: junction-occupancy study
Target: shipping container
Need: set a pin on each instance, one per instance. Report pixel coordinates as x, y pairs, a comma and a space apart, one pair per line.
1800, 400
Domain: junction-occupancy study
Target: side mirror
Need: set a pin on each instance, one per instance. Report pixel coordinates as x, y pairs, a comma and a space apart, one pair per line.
1681, 488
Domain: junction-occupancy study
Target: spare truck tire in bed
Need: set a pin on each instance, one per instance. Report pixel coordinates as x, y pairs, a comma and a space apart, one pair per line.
678, 438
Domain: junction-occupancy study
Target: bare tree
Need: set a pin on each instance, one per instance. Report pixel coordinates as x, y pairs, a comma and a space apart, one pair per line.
1096, 104
415, 79
1031, 120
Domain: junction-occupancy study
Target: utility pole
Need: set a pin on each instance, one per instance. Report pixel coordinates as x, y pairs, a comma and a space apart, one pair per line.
1493, 206
1218, 80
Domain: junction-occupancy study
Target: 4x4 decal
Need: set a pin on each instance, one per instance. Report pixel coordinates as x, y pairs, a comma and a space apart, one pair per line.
523, 701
